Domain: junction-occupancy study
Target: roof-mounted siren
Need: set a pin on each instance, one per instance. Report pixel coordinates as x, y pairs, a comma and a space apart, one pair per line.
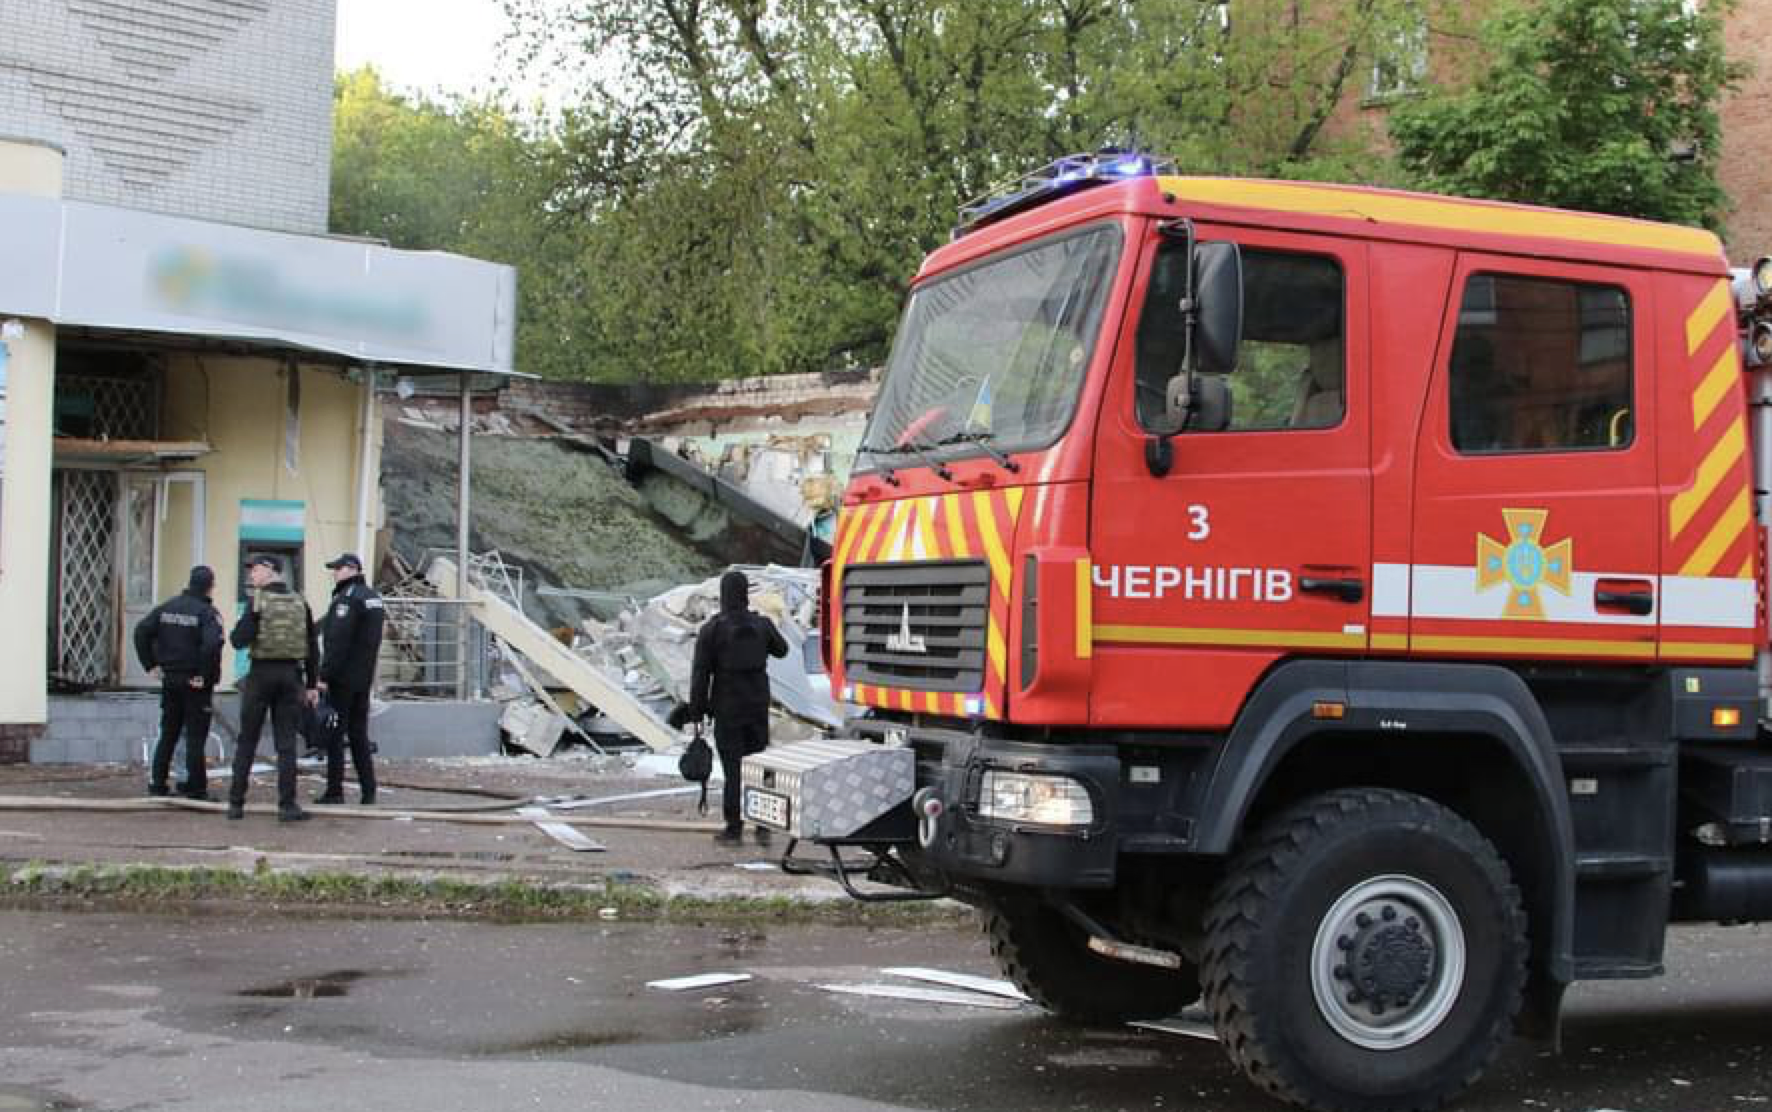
1752, 287
1058, 178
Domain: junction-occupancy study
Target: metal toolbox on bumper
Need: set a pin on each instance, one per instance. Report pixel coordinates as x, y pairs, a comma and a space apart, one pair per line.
831, 791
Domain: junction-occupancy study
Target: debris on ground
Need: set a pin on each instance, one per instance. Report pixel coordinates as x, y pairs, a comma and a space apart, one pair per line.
967, 981
926, 995
699, 980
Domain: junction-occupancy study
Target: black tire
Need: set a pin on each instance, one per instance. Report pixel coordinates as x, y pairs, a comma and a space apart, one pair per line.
1289, 909
1048, 957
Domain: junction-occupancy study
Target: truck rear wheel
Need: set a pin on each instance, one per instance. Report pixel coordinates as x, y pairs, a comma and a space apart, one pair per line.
1366, 950
1048, 957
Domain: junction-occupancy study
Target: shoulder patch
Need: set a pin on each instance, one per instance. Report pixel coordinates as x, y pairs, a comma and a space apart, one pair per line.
372, 603
341, 609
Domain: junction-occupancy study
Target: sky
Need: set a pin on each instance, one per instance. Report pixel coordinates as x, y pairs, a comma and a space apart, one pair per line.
448, 46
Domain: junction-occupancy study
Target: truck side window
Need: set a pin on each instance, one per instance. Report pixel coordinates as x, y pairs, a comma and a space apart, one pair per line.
1291, 372
1540, 364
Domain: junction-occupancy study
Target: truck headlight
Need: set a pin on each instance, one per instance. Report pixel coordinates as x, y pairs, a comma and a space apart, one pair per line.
1028, 797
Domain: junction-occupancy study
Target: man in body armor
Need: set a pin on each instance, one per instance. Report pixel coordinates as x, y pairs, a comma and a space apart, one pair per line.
182, 640
351, 637
731, 682
278, 631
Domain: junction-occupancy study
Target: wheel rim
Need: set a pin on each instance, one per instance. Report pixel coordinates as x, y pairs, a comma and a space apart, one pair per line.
1388, 962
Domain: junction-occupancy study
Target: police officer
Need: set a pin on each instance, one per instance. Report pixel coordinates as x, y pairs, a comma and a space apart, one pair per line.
730, 680
279, 632
182, 640
350, 636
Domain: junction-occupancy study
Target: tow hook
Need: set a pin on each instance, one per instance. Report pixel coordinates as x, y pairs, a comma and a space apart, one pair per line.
927, 806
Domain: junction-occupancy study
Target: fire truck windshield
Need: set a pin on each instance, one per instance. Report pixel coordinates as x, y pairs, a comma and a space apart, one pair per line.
993, 356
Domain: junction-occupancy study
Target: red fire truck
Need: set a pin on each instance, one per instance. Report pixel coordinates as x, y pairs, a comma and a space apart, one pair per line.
1345, 604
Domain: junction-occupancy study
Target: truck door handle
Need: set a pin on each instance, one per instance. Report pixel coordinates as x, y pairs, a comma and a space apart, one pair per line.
1347, 590
1640, 601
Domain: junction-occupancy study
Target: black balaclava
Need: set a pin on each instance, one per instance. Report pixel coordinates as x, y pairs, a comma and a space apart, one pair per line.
735, 591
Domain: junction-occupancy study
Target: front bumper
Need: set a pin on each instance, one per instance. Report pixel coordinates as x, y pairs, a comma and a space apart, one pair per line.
1139, 797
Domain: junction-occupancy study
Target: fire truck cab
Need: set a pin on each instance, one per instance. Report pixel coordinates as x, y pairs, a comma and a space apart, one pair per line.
1344, 603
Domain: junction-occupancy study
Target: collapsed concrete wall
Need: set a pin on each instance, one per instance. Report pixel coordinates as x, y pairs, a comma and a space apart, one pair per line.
562, 514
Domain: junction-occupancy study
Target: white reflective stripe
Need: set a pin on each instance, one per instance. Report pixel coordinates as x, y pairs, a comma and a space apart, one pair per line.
1390, 590
1715, 603
1450, 591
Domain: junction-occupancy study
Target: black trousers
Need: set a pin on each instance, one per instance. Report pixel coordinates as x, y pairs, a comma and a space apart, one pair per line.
734, 740
353, 709
184, 712
272, 686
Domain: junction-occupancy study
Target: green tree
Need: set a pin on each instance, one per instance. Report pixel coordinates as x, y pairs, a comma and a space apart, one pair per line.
758, 179
465, 176
1602, 105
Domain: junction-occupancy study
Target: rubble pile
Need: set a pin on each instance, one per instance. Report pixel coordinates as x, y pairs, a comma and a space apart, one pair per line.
650, 648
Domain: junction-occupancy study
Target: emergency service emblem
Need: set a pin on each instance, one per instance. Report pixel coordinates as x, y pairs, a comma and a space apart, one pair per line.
1523, 564
905, 641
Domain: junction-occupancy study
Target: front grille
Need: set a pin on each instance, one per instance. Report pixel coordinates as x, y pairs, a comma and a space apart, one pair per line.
945, 605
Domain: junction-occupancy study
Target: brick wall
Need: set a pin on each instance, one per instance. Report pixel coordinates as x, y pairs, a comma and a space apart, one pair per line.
15, 743
1746, 170
215, 109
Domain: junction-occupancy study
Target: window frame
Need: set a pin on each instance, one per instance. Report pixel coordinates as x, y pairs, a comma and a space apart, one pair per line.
1633, 364
1246, 248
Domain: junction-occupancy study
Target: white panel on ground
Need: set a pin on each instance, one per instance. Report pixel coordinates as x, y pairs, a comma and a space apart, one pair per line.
585, 679
987, 985
699, 980
925, 995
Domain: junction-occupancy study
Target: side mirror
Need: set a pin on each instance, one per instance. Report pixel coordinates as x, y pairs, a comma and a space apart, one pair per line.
1218, 295
1212, 403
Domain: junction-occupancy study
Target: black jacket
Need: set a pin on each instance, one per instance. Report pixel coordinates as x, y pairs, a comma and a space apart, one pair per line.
246, 631
351, 636
183, 638
731, 677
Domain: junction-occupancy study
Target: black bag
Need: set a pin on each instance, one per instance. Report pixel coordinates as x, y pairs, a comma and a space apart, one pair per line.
322, 727
697, 766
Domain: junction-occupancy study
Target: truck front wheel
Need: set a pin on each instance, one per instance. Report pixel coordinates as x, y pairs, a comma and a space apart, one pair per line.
1048, 957
1366, 950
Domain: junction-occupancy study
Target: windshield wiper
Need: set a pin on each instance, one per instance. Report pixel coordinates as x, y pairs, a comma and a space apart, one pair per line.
879, 455
919, 451
983, 440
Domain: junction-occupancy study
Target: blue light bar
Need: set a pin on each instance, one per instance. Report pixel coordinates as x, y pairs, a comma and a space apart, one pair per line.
1064, 175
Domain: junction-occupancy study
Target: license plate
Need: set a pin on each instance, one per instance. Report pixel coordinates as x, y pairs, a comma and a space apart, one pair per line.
767, 808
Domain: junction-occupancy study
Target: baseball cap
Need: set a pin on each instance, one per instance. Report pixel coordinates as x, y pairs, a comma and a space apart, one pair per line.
349, 559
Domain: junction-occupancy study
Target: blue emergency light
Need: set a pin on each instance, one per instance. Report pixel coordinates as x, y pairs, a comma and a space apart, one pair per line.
1056, 179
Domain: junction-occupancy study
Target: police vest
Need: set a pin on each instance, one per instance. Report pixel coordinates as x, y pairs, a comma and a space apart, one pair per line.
282, 627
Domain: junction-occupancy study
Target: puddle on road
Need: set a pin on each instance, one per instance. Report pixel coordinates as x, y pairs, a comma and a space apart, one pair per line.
320, 987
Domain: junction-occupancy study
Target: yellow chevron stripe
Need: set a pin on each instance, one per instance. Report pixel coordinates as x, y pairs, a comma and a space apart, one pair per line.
1285, 638
1724, 533
1713, 388
990, 707
1747, 568
1706, 317
1012, 497
1715, 468
993, 544
996, 647
877, 515
926, 531
950, 508
931, 703
1085, 612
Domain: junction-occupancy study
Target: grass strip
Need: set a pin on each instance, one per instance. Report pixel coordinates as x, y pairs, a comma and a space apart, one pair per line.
170, 888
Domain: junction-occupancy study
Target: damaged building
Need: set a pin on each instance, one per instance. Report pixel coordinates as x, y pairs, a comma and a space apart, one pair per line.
191, 368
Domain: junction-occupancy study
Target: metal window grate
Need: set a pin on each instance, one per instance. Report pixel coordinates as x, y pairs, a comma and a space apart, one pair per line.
85, 618
108, 407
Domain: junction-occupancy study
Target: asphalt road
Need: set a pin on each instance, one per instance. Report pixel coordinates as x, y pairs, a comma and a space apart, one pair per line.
269, 1012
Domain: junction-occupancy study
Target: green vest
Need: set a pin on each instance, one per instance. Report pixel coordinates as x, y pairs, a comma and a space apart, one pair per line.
282, 627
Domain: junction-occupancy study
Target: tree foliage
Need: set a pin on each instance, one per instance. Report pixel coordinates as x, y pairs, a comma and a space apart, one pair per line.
755, 180
465, 176
1603, 105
